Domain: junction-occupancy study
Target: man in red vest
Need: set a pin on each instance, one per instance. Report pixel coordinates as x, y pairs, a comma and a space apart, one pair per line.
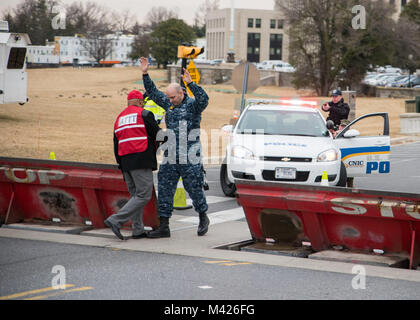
135, 132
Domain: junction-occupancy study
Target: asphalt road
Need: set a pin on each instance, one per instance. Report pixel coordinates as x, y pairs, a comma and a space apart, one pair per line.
103, 273
26, 267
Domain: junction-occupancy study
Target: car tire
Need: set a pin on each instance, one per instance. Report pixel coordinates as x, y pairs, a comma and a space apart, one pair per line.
342, 182
228, 188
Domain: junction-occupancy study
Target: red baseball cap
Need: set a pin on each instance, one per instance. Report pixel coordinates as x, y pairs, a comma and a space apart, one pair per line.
135, 95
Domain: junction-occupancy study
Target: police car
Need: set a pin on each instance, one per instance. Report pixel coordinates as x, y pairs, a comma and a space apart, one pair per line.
288, 141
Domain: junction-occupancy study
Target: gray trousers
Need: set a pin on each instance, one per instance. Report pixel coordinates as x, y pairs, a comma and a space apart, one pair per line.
140, 185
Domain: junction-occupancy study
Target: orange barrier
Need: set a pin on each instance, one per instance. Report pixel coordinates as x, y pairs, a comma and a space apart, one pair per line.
359, 220
77, 193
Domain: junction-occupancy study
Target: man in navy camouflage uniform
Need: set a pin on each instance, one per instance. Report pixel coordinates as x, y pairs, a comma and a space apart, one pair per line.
183, 117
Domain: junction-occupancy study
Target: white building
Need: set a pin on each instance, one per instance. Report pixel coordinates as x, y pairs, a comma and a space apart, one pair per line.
74, 49
42, 55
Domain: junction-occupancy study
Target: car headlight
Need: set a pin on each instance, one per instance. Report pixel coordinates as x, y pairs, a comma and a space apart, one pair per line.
329, 155
242, 152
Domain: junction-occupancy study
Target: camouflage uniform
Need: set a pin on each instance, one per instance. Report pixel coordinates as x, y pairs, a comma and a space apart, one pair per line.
181, 120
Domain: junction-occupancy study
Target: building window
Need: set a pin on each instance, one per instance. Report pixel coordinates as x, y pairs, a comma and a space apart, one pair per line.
276, 46
272, 24
250, 23
280, 24
253, 47
257, 23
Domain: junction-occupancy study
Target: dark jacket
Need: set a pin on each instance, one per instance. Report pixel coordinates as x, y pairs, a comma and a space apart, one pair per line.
141, 160
184, 120
338, 111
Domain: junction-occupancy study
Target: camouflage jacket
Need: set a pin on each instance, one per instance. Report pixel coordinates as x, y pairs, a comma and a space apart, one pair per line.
183, 120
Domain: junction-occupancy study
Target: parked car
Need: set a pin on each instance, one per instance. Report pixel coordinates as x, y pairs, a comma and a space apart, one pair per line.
390, 81
388, 69
287, 141
216, 62
387, 79
268, 64
284, 67
408, 82
375, 80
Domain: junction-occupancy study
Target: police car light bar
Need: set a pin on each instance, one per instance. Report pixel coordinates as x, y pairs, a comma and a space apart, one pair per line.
289, 101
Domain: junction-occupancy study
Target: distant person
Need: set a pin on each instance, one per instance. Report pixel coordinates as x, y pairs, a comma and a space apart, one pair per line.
135, 132
343, 123
337, 108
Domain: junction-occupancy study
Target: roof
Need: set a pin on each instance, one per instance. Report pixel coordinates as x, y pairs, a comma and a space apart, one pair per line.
5, 36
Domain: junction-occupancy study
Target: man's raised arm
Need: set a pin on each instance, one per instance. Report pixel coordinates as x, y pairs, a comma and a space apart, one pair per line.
201, 97
157, 96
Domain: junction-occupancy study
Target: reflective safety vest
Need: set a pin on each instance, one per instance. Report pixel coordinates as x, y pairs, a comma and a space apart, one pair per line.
157, 110
130, 131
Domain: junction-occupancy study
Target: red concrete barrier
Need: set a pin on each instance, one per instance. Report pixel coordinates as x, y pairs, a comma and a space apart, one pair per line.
359, 220
76, 193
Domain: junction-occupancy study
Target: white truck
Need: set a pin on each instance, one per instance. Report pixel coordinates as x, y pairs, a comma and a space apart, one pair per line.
288, 141
13, 76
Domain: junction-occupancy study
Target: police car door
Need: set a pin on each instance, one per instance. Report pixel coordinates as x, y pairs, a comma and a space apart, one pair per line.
365, 145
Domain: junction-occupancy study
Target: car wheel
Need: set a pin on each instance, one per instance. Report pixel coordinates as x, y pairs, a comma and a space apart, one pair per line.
228, 188
342, 182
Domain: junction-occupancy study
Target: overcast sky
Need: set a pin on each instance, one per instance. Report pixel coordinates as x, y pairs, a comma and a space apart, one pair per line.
186, 8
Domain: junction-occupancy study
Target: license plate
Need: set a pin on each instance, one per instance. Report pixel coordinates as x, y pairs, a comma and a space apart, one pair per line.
286, 173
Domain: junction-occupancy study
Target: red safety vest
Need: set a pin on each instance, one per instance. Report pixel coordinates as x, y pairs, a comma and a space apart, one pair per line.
130, 131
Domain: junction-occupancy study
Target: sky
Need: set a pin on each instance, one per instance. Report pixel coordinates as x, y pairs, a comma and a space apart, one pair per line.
186, 8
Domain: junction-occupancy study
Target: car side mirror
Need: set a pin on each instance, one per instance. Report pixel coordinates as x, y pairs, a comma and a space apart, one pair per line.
352, 133
227, 129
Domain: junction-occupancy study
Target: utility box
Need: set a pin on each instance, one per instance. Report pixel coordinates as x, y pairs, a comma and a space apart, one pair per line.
13, 76
350, 98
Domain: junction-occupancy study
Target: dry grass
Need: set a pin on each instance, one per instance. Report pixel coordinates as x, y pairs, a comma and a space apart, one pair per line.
72, 112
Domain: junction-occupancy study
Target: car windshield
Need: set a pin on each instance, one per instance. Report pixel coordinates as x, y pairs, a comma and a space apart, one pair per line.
282, 122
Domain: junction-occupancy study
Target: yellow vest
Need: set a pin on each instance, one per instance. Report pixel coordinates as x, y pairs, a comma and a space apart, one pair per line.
157, 110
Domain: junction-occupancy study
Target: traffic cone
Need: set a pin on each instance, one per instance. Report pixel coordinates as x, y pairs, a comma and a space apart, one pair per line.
180, 199
324, 180
52, 155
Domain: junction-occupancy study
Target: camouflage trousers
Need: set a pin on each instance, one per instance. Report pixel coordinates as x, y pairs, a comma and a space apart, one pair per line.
192, 178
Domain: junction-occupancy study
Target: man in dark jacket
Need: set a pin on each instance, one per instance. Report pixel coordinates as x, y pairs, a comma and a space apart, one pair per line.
337, 108
135, 132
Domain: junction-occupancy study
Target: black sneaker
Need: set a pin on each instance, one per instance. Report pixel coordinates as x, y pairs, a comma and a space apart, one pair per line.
114, 229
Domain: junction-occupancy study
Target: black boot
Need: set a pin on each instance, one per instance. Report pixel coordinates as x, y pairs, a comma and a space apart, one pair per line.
162, 231
203, 226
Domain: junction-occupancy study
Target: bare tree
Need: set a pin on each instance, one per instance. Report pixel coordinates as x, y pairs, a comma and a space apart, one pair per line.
124, 22
157, 15
203, 10
95, 23
324, 46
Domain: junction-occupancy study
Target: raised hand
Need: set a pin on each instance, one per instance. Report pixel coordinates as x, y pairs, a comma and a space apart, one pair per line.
144, 64
187, 76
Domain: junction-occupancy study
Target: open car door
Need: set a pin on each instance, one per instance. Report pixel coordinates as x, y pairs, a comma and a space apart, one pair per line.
365, 145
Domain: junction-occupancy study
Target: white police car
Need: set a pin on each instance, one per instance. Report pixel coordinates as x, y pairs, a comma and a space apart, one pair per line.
288, 141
